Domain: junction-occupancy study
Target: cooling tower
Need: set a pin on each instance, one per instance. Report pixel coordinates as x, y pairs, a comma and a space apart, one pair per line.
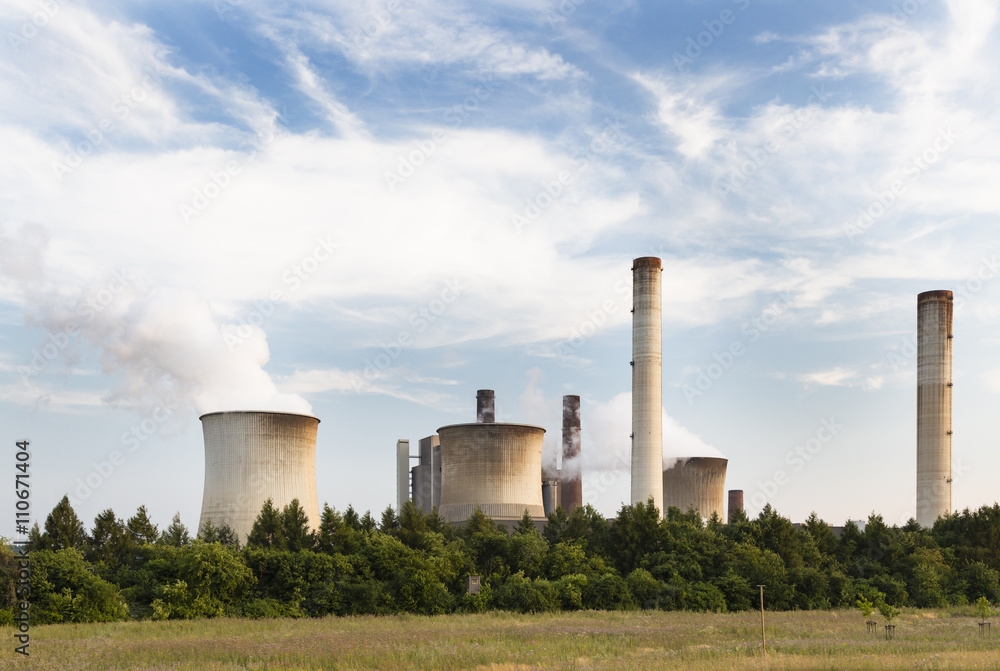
934, 337
402, 473
735, 502
550, 496
699, 483
496, 467
571, 488
647, 382
254, 456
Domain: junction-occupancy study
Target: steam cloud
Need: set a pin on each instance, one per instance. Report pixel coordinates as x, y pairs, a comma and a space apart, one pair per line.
166, 343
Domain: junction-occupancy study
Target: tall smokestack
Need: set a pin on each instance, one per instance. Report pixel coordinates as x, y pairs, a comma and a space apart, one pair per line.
735, 503
402, 473
647, 382
934, 315
485, 413
571, 488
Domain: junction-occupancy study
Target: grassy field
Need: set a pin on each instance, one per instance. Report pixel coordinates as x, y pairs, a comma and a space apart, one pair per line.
505, 642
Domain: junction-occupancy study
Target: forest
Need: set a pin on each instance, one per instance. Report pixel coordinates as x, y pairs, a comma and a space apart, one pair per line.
417, 563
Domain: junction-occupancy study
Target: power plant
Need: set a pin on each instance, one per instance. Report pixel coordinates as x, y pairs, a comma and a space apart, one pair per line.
934, 385
698, 483
251, 457
647, 382
493, 466
496, 467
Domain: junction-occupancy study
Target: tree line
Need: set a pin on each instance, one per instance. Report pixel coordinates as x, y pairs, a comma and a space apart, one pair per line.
417, 563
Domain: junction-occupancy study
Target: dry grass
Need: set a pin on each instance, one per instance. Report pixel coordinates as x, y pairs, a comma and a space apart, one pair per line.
505, 642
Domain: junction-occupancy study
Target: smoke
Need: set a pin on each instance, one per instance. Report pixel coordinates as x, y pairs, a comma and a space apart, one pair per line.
547, 413
166, 344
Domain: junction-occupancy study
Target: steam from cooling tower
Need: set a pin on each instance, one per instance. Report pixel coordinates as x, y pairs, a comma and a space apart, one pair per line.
167, 343
647, 382
485, 407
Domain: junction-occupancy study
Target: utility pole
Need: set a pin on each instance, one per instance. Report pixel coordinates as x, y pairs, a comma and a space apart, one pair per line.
763, 644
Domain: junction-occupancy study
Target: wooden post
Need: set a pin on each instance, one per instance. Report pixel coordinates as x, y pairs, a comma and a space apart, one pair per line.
763, 643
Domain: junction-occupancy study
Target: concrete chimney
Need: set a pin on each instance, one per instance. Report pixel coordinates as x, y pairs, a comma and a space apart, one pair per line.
647, 382
402, 473
571, 487
934, 338
485, 413
735, 502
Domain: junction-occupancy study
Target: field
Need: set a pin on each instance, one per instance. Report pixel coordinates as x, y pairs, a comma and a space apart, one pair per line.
945, 639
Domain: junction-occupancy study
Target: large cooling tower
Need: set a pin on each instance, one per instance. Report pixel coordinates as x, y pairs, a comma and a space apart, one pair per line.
934, 315
570, 485
496, 467
699, 483
254, 456
647, 382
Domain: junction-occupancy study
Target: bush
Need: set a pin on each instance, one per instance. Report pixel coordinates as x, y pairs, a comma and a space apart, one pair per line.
644, 587
524, 595
607, 592
63, 589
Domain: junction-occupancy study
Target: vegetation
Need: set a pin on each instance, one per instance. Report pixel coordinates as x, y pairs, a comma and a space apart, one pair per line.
416, 563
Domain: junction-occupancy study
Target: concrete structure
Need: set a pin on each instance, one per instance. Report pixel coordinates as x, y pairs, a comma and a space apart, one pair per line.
571, 486
426, 475
934, 338
550, 496
402, 473
254, 456
496, 467
735, 503
647, 382
485, 407
699, 483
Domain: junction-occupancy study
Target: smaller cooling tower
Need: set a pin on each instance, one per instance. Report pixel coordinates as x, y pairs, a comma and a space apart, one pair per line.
699, 483
735, 502
496, 467
254, 456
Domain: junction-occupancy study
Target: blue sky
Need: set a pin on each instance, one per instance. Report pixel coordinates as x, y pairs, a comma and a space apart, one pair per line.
370, 210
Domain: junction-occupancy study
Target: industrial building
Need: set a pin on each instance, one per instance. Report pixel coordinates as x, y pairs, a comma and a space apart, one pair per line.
698, 483
570, 475
251, 457
934, 386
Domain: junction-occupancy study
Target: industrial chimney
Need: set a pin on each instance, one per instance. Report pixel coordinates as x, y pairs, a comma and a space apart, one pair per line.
570, 486
254, 456
402, 473
647, 382
485, 412
934, 337
735, 503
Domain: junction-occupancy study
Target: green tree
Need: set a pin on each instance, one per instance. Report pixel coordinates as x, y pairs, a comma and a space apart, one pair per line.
63, 589
63, 529
140, 529
268, 529
109, 542
176, 534
295, 528
390, 521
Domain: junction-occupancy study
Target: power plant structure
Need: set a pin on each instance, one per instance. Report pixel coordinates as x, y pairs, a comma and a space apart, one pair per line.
253, 456
426, 475
493, 466
698, 483
550, 496
570, 475
735, 503
402, 473
647, 382
934, 387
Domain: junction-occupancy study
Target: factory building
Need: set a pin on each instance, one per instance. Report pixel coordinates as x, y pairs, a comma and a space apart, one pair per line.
254, 456
699, 483
493, 466
934, 386
647, 382
426, 475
